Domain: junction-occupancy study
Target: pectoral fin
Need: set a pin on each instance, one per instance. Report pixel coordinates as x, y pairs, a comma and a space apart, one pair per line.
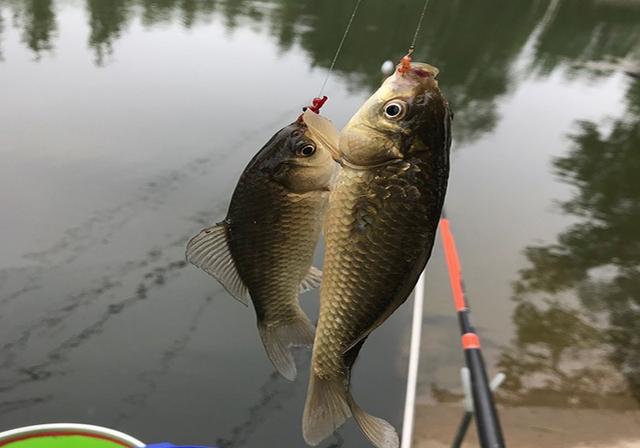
209, 250
312, 280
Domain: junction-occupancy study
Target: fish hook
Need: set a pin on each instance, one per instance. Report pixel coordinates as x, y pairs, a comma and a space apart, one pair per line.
405, 62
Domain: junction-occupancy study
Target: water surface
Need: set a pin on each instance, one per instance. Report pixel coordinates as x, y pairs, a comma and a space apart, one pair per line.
124, 125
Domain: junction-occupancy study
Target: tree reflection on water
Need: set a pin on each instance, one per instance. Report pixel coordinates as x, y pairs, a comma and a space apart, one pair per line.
578, 314
474, 43
38, 21
580, 32
107, 21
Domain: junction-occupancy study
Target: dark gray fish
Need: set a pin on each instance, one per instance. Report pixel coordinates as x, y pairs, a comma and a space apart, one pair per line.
263, 250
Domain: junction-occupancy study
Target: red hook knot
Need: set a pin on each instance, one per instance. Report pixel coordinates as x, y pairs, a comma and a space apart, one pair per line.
316, 104
405, 62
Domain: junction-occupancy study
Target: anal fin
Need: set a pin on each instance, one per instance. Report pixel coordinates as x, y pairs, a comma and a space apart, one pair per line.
280, 337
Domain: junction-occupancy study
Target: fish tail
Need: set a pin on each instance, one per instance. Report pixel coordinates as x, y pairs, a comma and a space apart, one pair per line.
326, 409
329, 404
278, 339
379, 432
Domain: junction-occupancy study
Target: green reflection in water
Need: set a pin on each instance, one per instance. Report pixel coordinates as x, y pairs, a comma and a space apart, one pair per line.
585, 353
581, 32
107, 20
1, 30
474, 43
37, 19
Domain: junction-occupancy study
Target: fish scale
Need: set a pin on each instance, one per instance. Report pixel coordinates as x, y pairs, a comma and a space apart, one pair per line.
363, 294
273, 263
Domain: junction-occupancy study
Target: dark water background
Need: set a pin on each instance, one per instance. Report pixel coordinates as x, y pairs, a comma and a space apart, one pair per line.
125, 123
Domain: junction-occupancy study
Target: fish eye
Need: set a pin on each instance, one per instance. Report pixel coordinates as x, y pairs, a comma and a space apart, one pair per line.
394, 110
306, 150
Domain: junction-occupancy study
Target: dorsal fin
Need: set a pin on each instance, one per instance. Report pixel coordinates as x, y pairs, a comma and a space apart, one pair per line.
209, 250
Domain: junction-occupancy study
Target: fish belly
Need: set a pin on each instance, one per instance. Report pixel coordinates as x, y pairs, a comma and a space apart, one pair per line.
379, 231
273, 238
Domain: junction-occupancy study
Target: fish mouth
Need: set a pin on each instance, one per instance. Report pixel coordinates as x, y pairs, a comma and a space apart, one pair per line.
365, 128
345, 163
299, 165
322, 129
420, 72
424, 70
335, 154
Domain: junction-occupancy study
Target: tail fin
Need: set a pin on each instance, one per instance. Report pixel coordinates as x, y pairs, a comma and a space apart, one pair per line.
379, 432
329, 404
326, 409
278, 340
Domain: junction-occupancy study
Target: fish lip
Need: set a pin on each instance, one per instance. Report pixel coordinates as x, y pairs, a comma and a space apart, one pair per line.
354, 166
376, 130
335, 155
299, 165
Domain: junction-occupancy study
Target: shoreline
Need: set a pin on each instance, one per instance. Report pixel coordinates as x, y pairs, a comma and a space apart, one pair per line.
533, 427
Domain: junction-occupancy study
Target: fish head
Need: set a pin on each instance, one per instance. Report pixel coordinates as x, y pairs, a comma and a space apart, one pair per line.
298, 161
406, 116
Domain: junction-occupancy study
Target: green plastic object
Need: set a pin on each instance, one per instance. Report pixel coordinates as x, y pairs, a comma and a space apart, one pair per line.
67, 435
63, 441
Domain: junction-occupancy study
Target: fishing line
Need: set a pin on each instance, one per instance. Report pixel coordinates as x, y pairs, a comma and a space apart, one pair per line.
339, 50
419, 27
405, 62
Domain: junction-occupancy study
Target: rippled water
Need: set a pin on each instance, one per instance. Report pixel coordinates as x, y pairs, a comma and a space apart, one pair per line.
125, 123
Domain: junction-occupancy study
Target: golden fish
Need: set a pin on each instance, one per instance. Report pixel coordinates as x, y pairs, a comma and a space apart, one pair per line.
263, 250
379, 232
